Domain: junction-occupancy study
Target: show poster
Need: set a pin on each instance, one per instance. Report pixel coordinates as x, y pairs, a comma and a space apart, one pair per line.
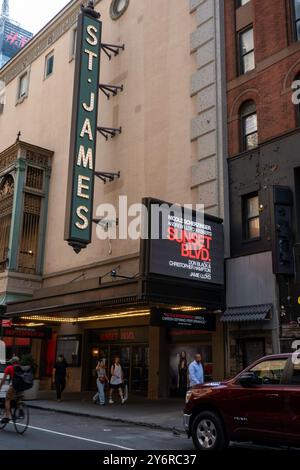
181, 357
189, 249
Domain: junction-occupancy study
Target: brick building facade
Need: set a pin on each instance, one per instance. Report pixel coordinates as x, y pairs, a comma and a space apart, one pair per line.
262, 61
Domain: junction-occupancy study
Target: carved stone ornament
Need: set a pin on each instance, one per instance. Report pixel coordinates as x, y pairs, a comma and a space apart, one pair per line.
7, 187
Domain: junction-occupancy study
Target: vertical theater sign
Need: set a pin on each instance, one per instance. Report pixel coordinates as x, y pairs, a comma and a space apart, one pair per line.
80, 191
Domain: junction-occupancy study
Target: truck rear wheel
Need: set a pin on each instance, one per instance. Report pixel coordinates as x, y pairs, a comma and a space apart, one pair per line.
208, 433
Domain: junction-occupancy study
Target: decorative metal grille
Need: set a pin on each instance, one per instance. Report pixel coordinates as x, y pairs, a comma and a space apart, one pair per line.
30, 234
34, 178
6, 206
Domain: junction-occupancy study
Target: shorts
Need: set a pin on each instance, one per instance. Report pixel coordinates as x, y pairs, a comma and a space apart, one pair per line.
10, 394
116, 386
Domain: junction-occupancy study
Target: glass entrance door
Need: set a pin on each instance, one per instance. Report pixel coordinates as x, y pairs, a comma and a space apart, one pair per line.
134, 360
140, 369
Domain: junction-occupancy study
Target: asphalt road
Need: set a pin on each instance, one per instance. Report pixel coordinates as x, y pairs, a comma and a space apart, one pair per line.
56, 431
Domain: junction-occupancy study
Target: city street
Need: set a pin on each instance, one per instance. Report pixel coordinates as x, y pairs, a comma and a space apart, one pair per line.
149, 231
49, 430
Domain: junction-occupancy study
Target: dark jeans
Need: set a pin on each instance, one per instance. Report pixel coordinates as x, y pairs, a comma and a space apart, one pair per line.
60, 385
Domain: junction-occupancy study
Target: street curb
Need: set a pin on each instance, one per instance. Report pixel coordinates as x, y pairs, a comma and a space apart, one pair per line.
110, 418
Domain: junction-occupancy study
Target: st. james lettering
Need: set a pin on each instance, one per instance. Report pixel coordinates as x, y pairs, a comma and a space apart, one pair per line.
83, 132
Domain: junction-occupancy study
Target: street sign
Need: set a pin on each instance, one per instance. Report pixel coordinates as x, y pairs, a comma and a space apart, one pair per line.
6, 323
80, 191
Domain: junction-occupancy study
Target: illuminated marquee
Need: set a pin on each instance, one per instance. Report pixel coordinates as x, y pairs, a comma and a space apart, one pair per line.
189, 251
84, 131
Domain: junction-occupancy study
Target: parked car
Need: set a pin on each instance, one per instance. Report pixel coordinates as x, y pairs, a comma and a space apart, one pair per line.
261, 404
5, 386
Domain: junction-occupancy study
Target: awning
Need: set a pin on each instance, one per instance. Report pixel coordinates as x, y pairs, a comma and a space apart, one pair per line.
248, 313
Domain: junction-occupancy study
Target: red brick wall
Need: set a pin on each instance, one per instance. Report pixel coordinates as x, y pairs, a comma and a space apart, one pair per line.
269, 85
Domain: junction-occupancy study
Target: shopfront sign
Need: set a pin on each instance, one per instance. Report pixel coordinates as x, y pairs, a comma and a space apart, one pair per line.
34, 333
183, 320
6, 323
120, 335
80, 191
188, 249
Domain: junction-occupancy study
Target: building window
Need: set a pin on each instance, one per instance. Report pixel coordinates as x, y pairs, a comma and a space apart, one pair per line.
49, 64
30, 233
297, 18
23, 86
248, 124
241, 3
246, 50
33, 195
35, 178
297, 102
251, 223
117, 8
2, 102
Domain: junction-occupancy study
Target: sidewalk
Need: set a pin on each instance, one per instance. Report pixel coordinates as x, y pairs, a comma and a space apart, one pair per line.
162, 414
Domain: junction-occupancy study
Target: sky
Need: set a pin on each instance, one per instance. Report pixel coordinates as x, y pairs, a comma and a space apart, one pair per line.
34, 14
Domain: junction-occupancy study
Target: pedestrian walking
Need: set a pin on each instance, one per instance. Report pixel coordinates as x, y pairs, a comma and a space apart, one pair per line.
196, 371
102, 380
60, 375
116, 380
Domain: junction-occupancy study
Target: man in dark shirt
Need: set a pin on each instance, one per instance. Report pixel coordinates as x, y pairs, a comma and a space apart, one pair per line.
60, 375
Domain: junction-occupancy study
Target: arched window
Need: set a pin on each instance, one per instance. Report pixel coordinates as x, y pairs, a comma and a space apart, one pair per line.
248, 126
6, 206
296, 11
296, 87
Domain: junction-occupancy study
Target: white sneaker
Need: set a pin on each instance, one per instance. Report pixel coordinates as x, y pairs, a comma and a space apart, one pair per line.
123, 401
111, 402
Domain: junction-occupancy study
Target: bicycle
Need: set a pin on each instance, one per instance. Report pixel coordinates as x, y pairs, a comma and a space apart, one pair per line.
19, 414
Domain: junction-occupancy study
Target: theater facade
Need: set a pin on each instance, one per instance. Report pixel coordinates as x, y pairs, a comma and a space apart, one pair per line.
97, 111
155, 319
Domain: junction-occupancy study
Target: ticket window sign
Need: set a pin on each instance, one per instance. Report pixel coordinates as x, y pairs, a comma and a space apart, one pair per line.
80, 191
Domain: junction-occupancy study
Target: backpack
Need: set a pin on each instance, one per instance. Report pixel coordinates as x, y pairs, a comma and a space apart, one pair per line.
23, 378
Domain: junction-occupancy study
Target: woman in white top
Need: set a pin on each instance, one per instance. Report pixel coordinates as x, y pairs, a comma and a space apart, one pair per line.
116, 380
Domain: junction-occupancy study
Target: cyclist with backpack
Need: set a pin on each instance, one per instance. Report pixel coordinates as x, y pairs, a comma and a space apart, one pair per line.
21, 379
9, 372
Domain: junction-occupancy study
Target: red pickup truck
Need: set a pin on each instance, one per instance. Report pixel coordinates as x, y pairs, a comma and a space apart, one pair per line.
261, 405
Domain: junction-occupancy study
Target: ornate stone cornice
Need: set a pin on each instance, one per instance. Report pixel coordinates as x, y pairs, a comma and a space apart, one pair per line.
31, 153
46, 38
